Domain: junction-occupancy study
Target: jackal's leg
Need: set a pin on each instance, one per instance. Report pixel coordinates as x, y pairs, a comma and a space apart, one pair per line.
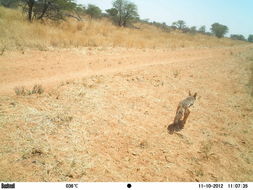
186, 115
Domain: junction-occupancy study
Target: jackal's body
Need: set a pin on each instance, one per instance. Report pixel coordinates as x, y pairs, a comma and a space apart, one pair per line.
183, 108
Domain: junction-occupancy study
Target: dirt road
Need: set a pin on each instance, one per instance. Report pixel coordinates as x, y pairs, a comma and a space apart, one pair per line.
51, 67
105, 113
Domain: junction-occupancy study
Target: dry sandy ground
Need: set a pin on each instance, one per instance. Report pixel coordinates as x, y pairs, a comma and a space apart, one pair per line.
105, 112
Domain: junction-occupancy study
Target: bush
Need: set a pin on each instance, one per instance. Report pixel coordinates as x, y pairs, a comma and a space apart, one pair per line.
237, 37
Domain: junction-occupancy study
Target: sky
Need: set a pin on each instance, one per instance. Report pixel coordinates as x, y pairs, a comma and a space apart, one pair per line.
236, 14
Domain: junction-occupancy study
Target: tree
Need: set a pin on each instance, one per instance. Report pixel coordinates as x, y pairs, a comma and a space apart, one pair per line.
52, 9
250, 38
126, 12
202, 29
237, 37
112, 12
193, 29
180, 24
219, 30
93, 11
28, 8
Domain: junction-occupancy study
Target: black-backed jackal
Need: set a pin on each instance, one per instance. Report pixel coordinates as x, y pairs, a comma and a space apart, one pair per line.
183, 108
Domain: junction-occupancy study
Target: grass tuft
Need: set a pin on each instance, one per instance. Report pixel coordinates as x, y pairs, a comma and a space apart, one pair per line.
21, 91
37, 89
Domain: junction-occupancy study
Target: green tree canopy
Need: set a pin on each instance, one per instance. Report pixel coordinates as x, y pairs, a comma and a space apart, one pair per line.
237, 37
250, 38
52, 9
93, 11
112, 12
126, 12
202, 29
180, 24
219, 30
193, 29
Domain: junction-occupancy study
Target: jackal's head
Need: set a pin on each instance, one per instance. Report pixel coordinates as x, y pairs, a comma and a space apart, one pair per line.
194, 96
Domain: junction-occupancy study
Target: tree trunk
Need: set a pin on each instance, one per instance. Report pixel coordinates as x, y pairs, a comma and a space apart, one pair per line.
120, 20
30, 4
125, 19
45, 7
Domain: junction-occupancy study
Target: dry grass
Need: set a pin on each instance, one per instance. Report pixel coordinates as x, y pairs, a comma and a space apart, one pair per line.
250, 84
17, 33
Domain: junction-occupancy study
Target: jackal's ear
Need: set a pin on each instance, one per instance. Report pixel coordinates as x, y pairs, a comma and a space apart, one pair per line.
190, 94
195, 95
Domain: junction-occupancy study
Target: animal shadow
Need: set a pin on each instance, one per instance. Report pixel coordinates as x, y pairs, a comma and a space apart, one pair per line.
175, 127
